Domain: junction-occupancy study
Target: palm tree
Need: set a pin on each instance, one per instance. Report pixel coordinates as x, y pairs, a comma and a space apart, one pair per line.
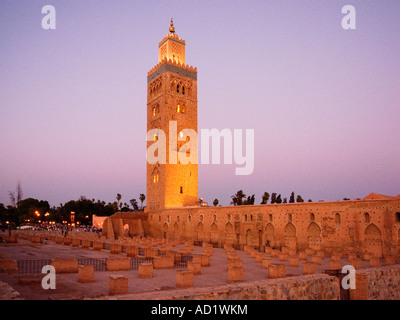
265, 198
239, 196
234, 200
134, 204
142, 197
118, 199
215, 203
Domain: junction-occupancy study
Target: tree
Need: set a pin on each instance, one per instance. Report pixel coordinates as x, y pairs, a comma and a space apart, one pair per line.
279, 199
249, 200
142, 197
291, 199
3, 213
215, 202
299, 199
273, 198
239, 197
265, 198
134, 204
118, 199
234, 200
284, 200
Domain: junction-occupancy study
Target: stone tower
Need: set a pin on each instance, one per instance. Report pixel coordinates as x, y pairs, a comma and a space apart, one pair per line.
172, 103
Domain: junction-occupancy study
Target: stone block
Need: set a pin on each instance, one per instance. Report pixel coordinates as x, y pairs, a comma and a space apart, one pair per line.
316, 259
194, 267
132, 251
275, 253
266, 262
115, 248
98, 245
76, 242
283, 257
234, 263
356, 263
285, 250
117, 284
150, 253
163, 262
85, 274
375, 262
276, 271
184, 279
118, 264
8, 266
390, 260
309, 268
259, 257
235, 274
65, 265
310, 252
145, 270
293, 261
302, 255
86, 244
335, 264
36, 240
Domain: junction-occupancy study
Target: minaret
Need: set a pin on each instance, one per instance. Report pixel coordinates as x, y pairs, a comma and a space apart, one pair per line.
171, 99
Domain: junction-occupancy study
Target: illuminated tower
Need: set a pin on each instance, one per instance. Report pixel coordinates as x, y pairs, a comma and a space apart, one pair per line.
171, 98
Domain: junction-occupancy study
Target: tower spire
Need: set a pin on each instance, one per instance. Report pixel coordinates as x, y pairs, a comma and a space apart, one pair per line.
171, 28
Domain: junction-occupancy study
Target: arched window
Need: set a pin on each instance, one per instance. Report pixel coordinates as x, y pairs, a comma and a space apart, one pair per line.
290, 217
178, 108
337, 219
312, 217
270, 217
183, 90
366, 217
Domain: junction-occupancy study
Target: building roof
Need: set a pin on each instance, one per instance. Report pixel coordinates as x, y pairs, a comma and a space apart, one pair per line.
377, 196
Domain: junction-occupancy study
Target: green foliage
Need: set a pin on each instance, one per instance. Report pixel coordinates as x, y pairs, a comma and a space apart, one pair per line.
265, 198
291, 199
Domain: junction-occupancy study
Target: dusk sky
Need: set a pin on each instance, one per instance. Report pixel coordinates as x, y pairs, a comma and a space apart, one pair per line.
324, 102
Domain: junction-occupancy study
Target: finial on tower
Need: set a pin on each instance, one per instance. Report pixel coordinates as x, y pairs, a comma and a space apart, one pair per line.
171, 28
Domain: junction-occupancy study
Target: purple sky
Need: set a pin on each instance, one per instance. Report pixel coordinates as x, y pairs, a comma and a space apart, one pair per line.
324, 102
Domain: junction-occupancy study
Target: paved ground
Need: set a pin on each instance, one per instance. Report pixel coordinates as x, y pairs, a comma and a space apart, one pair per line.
67, 286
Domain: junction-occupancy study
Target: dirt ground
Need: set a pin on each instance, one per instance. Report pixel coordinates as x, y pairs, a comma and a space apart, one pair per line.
68, 287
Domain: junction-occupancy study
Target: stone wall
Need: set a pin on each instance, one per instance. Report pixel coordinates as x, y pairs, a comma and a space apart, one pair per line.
309, 287
365, 226
377, 284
